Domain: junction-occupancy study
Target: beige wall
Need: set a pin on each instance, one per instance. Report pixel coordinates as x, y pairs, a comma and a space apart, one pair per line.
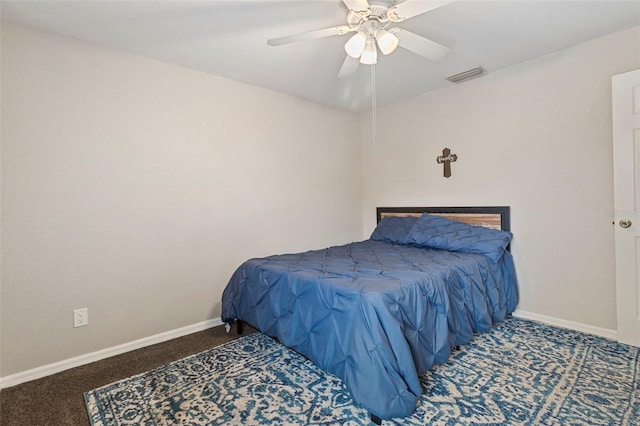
535, 136
134, 188
0, 192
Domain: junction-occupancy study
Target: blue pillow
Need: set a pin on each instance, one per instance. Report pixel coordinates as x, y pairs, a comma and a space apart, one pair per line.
394, 229
446, 234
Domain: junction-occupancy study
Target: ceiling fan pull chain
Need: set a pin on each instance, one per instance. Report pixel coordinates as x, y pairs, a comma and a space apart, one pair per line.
374, 112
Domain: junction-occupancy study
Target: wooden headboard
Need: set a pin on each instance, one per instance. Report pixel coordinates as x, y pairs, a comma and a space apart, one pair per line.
497, 217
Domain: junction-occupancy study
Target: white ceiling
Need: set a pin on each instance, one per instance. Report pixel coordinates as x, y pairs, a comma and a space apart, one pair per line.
229, 39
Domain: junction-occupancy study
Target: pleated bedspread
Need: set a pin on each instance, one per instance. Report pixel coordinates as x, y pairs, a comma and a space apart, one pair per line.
375, 314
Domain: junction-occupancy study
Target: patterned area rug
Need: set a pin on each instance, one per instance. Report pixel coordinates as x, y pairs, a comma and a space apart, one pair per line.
521, 373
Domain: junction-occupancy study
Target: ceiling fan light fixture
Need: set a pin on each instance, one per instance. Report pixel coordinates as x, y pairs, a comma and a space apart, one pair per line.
370, 53
387, 42
356, 45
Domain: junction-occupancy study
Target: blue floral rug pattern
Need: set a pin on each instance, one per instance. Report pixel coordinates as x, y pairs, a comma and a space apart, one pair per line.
521, 373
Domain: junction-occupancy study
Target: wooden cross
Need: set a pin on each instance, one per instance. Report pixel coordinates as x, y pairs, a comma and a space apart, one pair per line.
447, 158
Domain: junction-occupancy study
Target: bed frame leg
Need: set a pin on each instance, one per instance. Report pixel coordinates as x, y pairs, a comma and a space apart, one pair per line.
239, 326
377, 420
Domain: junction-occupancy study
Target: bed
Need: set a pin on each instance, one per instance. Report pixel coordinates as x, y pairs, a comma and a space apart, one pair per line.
379, 313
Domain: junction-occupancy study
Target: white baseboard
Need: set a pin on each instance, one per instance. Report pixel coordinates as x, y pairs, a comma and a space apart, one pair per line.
47, 370
558, 322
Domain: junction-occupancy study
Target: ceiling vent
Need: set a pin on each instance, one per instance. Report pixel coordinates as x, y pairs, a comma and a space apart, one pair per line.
467, 75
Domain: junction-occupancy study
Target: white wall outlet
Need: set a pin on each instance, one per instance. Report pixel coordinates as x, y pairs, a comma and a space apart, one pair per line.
80, 317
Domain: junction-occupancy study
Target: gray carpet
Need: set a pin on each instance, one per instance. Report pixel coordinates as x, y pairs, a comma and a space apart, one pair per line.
57, 400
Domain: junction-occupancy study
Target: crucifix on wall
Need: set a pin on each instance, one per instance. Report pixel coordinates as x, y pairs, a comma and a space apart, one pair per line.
446, 159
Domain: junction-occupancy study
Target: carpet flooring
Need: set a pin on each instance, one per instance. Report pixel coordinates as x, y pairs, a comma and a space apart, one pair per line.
57, 400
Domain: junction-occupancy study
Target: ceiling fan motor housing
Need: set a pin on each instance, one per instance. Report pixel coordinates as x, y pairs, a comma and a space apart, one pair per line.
377, 13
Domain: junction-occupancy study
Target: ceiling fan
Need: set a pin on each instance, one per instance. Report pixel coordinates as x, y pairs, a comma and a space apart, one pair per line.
372, 21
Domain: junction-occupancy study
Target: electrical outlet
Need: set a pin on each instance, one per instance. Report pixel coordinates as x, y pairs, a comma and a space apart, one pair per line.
80, 317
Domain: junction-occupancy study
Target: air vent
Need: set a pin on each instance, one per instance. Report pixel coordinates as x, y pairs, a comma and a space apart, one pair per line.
467, 75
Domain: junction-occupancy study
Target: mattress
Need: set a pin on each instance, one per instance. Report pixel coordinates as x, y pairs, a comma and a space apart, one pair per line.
375, 314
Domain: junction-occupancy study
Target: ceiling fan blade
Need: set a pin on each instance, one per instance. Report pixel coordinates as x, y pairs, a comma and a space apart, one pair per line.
357, 5
309, 35
411, 8
420, 45
349, 66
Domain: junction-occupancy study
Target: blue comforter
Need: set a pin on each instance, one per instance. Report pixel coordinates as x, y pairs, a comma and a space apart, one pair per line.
373, 313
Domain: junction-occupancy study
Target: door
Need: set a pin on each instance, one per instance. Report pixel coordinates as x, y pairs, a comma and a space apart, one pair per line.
626, 164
